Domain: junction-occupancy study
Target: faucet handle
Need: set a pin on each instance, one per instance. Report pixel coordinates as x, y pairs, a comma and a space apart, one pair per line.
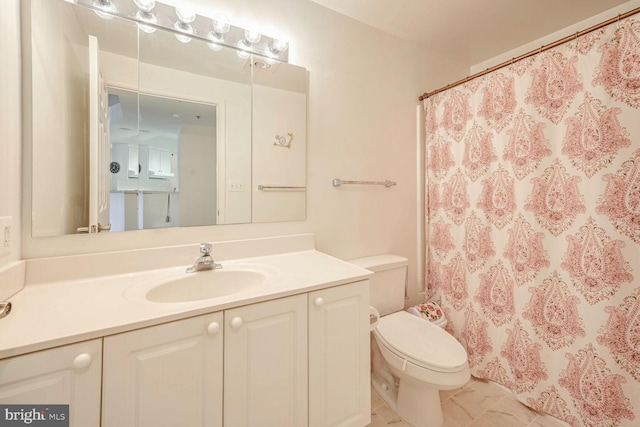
205, 249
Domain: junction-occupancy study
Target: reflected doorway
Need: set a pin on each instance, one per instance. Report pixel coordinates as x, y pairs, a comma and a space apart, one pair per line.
164, 162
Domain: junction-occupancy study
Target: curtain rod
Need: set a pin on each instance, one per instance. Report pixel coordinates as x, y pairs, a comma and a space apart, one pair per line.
533, 52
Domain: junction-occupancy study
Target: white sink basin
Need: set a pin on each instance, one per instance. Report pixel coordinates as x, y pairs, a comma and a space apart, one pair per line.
176, 285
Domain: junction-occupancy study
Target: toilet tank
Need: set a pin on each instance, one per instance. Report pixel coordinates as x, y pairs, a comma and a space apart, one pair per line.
387, 285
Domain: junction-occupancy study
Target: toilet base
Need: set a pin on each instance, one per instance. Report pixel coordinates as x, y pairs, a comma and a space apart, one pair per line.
387, 392
417, 405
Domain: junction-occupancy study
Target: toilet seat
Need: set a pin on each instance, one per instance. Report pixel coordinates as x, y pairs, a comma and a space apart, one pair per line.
421, 343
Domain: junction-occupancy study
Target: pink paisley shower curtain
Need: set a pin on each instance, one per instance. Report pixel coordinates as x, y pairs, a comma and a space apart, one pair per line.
533, 225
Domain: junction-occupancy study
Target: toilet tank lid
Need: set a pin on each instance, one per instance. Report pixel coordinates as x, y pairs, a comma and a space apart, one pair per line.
380, 262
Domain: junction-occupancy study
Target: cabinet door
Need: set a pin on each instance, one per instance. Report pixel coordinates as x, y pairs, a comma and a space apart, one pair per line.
339, 370
265, 370
64, 375
166, 375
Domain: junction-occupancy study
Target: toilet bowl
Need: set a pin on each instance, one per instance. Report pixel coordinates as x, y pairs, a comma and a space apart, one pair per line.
412, 358
422, 359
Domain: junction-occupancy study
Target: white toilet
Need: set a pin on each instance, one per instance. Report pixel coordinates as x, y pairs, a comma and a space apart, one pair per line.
412, 358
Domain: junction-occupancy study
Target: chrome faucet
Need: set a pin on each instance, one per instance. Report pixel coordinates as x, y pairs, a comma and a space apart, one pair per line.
204, 261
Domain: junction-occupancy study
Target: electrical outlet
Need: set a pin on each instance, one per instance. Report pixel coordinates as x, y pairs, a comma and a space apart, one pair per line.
5, 235
236, 185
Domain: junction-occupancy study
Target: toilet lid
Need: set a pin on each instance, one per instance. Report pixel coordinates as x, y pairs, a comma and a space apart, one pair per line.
422, 342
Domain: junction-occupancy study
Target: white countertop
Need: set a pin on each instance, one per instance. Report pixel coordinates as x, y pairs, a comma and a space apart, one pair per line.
61, 312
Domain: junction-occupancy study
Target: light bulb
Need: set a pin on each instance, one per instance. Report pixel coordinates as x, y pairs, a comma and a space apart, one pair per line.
183, 38
242, 45
186, 13
252, 37
214, 47
145, 5
220, 23
146, 17
215, 37
280, 43
106, 8
183, 28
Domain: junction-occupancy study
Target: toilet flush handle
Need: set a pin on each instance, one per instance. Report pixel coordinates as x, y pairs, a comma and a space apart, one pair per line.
404, 365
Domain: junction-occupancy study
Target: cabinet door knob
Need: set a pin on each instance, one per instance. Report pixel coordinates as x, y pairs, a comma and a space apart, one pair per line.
319, 302
82, 361
236, 322
213, 328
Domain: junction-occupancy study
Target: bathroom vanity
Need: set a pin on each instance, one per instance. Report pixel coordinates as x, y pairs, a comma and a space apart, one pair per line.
290, 350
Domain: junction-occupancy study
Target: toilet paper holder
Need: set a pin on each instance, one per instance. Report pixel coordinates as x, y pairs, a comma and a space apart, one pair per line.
374, 317
5, 308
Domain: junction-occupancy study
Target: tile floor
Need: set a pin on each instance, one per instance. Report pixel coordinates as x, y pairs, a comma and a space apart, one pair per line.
477, 404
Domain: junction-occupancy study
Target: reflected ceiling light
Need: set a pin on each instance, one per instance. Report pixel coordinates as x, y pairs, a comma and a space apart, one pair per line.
106, 8
261, 63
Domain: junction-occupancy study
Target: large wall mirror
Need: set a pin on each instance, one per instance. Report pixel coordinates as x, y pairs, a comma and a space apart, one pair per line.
135, 129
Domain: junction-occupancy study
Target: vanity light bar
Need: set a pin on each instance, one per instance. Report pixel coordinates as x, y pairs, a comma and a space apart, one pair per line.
164, 17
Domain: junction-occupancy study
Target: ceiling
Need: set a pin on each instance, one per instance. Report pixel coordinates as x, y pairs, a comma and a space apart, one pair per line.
471, 31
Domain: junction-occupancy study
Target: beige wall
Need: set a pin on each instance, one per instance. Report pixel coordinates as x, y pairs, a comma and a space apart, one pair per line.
57, 113
198, 180
278, 112
362, 124
10, 131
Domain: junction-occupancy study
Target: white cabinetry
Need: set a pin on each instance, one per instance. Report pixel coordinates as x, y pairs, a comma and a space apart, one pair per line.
165, 375
64, 375
160, 163
339, 371
266, 364
301, 360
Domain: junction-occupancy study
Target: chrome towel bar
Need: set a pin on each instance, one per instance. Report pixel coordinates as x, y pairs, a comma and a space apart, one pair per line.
338, 182
279, 187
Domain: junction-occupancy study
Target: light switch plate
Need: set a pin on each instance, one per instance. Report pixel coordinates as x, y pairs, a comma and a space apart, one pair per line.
5, 235
236, 185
